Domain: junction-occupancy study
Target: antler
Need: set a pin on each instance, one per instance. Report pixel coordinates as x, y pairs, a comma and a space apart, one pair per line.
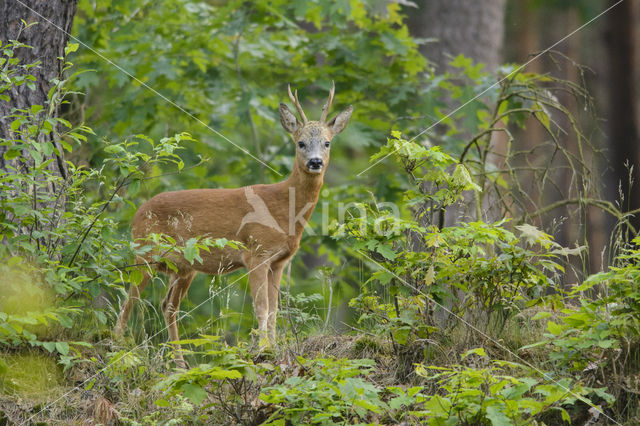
325, 108
297, 104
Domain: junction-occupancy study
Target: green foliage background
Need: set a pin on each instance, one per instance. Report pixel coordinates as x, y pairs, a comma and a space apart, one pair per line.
208, 68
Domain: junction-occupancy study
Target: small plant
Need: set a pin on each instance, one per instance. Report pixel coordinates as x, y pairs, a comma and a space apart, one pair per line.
223, 363
223, 386
598, 337
298, 310
326, 391
59, 250
430, 277
502, 393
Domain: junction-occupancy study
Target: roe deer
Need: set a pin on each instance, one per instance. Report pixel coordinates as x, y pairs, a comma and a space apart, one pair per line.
267, 219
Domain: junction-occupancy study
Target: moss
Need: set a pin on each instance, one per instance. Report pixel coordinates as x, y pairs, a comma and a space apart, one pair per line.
31, 376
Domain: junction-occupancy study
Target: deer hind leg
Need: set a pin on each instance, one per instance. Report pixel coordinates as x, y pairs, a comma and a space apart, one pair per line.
132, 299
275, 275
178, 287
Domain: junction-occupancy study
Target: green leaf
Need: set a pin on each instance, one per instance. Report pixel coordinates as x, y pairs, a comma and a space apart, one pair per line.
399, 401
84, 344
47, 149
89, 385
533, 235
162, 402
476, 351
64, 321
497, 417
11, 154
543, 117
190, 252
606, 344
386, 251
133, 188
429, 276
194, 393
367, 405
112, 149
15, 124
62, 348
70, 48
554, 328
438, 406
135, 277
462, 178
65, 145
401, 335
37, 157
383, 276
220, 374
565, 416
50, 346
541, 315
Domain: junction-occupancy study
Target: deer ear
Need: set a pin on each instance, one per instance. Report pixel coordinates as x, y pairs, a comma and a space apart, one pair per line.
339, 122
288, 119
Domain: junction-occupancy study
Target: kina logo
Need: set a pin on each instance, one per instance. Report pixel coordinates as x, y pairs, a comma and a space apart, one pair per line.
260, 214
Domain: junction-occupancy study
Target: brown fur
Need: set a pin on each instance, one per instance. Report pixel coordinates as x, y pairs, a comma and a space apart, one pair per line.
232, 214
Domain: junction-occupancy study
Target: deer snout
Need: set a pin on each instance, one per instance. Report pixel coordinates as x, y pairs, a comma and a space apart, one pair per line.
315, 164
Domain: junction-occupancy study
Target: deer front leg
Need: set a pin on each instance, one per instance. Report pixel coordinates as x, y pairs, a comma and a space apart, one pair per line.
275, 275
259, 283
170, 307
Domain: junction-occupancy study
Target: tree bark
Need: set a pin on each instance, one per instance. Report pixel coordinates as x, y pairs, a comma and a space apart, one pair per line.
473, 28
622, 43
476, 30
47, 39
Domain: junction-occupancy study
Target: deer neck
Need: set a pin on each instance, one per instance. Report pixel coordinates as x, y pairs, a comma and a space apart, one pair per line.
302, 193
306, 187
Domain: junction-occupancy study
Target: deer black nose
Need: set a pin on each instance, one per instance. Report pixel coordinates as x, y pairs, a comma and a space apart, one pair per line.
315, 163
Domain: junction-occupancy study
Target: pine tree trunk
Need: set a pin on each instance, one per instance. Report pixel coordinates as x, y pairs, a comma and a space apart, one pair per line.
624, 141
473, 28
476, 30
47, 39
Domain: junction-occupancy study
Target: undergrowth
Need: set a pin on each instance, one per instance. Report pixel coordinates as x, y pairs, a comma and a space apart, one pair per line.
457, 324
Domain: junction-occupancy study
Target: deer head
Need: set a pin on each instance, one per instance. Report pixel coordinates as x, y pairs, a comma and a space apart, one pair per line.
313, 138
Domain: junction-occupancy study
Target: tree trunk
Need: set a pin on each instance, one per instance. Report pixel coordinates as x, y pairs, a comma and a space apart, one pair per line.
473, 28
48, 39
622, 43
476, 30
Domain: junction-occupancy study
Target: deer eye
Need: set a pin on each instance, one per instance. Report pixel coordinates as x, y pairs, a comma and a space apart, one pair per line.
326, 144
301, 145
